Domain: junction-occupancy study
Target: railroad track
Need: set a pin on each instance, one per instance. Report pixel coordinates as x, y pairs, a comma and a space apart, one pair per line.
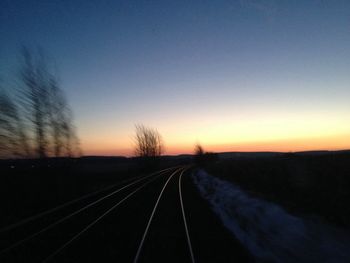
69, 203
158, 217
139, 250
76, 236
107, 198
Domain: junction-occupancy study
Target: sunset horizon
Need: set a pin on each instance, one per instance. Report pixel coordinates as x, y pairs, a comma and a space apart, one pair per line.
328, 143
267, 76
175, 131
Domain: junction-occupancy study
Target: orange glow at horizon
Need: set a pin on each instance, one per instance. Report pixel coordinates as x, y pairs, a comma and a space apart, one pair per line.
281, 132
339, 142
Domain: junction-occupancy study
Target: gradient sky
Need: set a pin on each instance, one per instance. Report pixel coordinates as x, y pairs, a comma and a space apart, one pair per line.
248, 75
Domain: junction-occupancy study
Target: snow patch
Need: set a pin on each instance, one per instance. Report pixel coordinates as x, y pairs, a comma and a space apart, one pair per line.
267, 230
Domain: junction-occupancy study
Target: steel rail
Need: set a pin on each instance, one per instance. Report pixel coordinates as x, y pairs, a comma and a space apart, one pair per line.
184, 219
56, 252
16, 244
152, 215
51, 210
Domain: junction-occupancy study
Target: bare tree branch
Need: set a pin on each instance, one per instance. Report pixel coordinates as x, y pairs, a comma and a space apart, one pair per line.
148, 142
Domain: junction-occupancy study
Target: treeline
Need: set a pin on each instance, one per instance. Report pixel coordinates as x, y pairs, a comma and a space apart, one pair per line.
35, 118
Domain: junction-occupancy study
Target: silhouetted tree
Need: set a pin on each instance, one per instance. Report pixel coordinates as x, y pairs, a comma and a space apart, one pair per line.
198, 150
64, 139
39, 122
56, 115
148, 141
71, 142
13, 140
203, 158
198, 153
35, 100
46, 108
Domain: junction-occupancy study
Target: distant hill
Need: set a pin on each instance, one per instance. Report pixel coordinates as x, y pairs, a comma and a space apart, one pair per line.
226, 155
230, 155
322, 152
93, 157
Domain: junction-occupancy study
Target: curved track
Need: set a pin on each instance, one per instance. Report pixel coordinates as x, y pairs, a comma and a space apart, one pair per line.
69, 216
62, 206
153, 218
184, 218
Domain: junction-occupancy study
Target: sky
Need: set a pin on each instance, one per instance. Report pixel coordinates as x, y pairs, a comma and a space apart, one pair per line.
249, 75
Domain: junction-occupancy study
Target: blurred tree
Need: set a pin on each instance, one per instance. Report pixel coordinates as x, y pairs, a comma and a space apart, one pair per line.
64, 139
198, 150
203, 158
35, 100
13, 140
46, 108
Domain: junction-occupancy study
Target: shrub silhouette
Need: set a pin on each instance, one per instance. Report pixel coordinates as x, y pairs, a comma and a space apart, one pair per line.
148, 146
203, 158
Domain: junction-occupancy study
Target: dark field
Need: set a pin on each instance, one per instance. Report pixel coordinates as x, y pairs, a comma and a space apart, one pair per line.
28, 187
118, 235
312, 185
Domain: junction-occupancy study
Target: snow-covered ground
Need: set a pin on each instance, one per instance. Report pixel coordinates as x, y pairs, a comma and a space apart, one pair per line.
267, 230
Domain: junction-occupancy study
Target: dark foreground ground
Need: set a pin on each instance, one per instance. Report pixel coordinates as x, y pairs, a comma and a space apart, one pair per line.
315, 185
28, 187
105, 227
88, 237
